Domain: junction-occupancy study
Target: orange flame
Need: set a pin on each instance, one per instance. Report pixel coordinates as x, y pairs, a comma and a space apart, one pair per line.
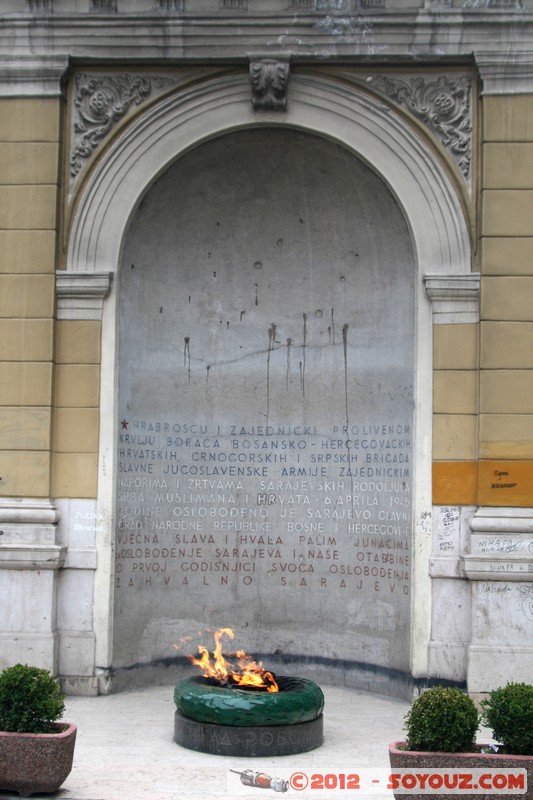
247, 672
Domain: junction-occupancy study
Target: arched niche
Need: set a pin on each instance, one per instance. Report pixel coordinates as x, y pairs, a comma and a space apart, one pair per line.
327, 109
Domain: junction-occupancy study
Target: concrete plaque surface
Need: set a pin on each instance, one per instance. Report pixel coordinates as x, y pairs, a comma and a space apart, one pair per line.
265, 407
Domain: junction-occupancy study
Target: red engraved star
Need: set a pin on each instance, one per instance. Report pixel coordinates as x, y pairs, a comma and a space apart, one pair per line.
124, 425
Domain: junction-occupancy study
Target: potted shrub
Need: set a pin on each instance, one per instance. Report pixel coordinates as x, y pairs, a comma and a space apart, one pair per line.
36, 751
509, 712
441, 728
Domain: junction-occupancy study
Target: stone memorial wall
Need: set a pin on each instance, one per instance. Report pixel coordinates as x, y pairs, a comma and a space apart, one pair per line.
264, 452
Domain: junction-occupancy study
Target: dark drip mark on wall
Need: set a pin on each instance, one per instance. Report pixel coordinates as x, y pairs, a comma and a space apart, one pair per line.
271, 344
242, 315
289, 343
207, 373
345, 353
332, 327
345, 350
187, 357
256, 297
302, 370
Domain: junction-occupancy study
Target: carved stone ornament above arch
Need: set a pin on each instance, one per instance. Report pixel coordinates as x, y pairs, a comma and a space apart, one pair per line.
100, 101
441, 102
334, 109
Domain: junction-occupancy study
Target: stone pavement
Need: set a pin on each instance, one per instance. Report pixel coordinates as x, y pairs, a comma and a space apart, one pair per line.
125, 751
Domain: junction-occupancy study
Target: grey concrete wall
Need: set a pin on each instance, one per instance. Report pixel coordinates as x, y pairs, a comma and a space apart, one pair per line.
265, 410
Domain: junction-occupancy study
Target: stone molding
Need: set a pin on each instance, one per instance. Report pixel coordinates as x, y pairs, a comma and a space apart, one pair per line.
28, 511
34, 557
28, 535
454, 298
269, 78
154, 31
507, 72
501, 545
78, 557
36, 47
33, 76
447, 566
305, 6
81, 296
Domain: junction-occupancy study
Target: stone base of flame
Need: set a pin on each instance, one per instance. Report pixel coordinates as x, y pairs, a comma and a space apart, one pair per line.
227, 720
261, 740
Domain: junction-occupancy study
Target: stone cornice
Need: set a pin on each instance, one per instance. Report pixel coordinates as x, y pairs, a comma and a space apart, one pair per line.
27, 511
27, 75
455, 298
506, 72
28, 535
81, 295
501, 547
432, 33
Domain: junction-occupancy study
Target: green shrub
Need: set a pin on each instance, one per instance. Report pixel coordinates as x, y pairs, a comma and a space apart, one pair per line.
30, 700
509, 712
442, 719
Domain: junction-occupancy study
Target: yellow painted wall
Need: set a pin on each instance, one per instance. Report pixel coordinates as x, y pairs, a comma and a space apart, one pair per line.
76, 408
49, 371
501, 473
30, 139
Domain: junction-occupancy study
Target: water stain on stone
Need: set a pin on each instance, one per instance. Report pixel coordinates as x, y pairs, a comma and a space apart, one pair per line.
345, 352
271, 345
289, 343
187, 357
302, 370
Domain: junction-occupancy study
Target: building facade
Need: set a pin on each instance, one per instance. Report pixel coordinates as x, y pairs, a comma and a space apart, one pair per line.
267, 337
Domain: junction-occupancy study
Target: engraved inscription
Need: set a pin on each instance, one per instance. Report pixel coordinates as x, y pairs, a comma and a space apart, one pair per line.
200, 504
264, 423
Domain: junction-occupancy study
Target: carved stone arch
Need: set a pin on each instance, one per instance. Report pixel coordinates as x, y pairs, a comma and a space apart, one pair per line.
321, 106
334, 110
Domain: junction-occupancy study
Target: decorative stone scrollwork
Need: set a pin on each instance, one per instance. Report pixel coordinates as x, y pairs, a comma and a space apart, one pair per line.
40, 5
100, 102
269, 78
104, 5
442, 103
169, 5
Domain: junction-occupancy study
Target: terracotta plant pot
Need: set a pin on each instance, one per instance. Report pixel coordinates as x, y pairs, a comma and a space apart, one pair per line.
36, 762
425, 762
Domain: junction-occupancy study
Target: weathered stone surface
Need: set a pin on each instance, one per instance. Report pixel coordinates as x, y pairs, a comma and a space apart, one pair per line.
265, 407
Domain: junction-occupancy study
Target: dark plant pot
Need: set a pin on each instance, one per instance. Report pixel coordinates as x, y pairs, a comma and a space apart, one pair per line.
465, 762
36, 762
